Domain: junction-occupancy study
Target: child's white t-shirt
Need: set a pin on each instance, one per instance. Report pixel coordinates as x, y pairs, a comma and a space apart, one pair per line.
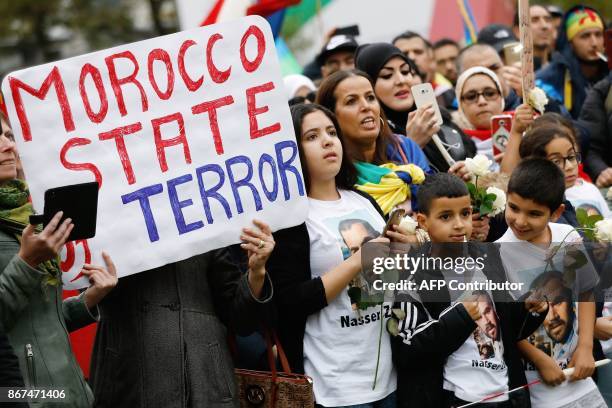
524, 262
477, 368
340, 344
586, 195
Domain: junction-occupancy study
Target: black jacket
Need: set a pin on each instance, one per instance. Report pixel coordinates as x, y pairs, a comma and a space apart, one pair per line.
296, 294
433, 329
10, 375
162, 336
598, 120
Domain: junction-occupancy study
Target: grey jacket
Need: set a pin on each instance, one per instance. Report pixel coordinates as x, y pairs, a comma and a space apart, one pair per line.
162, 337
37, 322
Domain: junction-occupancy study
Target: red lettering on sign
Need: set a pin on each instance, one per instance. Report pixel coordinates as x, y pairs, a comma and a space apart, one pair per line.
117, 82
250, 66
54, 78
217, 76
189, 83
161, 144
118, 134
161, 55
253, 111
94, 72
211, 108
79, 141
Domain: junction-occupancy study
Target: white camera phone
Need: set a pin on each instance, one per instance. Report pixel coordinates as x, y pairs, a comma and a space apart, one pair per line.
424, 95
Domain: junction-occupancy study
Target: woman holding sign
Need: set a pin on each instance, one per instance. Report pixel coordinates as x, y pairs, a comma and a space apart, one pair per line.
326, 331
31, 310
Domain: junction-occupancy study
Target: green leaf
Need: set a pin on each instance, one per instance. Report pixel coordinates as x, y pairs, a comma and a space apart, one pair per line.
592, 219
581, 216
491, 197
472, 189
485, 209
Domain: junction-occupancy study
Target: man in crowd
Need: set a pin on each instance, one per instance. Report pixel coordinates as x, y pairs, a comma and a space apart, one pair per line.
418, 49
596, 116
446, 52
578, 65
543, 33
337, 55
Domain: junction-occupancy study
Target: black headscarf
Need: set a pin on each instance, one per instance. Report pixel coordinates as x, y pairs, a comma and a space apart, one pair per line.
371, 58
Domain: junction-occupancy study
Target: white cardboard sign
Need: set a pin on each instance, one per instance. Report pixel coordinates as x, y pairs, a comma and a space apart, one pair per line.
188, 134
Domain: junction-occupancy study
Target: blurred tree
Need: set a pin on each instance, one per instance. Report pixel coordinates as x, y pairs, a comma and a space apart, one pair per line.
37, 31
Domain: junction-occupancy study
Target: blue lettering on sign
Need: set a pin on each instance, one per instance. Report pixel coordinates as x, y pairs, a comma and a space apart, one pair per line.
177, 205
278, 168
142, 196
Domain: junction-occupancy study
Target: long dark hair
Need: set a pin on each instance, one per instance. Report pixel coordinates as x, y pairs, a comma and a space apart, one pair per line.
536, 139
347, 176
326, 98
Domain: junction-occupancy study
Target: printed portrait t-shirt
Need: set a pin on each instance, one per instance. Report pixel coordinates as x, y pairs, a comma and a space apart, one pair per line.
558, 335
340, 344
477, 369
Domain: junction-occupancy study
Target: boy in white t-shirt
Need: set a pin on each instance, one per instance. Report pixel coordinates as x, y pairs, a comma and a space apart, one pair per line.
535, 196
453, 348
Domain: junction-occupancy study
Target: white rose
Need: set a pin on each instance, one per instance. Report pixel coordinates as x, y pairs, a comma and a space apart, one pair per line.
609, 194
479, 165
499, 205
537, 99
603, 230
408, 224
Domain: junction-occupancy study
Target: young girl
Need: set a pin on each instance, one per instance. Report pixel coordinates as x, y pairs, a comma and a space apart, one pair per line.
311, 270
557, 143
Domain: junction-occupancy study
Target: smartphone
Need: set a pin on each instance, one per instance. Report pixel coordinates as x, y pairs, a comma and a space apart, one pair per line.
608, 40
352, 30
78, 202
394, 219
501, 125
512, 53
424, 95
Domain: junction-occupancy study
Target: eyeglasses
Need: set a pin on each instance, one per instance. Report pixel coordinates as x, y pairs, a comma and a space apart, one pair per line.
562, 161
489, 94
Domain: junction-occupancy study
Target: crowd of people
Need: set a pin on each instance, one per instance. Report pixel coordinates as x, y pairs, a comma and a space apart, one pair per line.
366, 150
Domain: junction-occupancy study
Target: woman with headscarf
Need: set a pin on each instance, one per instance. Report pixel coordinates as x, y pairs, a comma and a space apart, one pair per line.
299, 89
480, 97
394, 74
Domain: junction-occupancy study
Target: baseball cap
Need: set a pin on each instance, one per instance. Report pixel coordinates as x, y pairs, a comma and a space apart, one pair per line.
337, 43
496, 35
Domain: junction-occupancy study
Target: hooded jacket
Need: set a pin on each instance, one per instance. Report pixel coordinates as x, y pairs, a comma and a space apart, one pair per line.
565, 67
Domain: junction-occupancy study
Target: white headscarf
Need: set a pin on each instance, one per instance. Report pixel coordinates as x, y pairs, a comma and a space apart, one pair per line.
295, 82
468, 73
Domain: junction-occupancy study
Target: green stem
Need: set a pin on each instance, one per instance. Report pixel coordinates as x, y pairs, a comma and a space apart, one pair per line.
382, 318
550, 259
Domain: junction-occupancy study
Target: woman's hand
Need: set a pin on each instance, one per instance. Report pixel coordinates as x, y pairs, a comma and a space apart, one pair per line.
259, 244
421, 125
38, 248
102, 280
523, 118
460, 170
603, 328
480, 228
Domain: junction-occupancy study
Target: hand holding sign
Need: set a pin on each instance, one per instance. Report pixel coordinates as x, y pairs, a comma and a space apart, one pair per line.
189, 136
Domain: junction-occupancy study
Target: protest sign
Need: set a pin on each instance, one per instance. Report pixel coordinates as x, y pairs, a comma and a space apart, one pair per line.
527, 71
189, 136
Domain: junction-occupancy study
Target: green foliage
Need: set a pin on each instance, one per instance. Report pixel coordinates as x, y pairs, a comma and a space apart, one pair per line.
481, 201
587, 222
